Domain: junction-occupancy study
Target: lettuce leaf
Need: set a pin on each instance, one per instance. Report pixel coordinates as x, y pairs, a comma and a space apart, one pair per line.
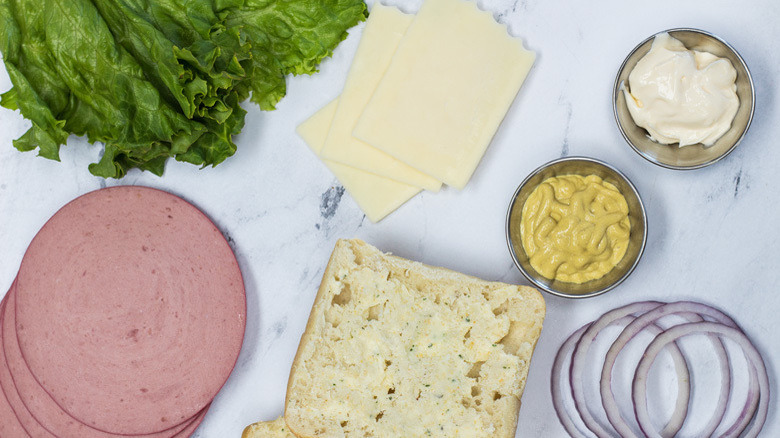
154, 79
92, 86
289, 36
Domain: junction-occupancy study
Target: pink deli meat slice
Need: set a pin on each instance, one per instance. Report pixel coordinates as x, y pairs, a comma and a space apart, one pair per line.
190, 429
130, 309
37, 405
10, 426
27, 421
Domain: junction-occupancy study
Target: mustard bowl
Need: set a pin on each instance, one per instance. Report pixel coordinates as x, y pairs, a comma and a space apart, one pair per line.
636, 214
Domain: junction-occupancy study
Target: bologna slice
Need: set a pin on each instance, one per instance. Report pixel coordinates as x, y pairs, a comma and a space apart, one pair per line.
10, 425
37, 405
29, 424
190, 429
130, 310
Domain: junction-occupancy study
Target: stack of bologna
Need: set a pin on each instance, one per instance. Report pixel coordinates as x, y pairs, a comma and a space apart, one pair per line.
125, 320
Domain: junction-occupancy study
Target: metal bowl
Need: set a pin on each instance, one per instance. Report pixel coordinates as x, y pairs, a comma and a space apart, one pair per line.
636, 214
698, 155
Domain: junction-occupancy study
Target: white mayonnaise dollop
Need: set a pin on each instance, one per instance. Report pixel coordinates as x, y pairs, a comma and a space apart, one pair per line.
680, 95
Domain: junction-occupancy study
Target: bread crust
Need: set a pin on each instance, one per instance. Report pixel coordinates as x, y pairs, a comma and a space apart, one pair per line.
330, 267
267, 429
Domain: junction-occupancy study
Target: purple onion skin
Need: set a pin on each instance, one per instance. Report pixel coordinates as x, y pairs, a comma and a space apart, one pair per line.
755, 408
693, 312
715, 328
555, 385
583, 338
683, 390
702, 310
579, 356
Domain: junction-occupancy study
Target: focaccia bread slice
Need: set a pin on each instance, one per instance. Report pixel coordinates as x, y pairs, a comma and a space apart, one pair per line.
268, 429
396, 348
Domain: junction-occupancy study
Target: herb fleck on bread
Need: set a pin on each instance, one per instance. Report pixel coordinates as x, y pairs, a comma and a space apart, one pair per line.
397, 348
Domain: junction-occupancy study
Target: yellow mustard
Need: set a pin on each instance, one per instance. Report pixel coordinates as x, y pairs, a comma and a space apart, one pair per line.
575, 228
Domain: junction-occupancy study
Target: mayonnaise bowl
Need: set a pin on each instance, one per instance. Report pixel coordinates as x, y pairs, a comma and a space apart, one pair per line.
691, 156
636, 214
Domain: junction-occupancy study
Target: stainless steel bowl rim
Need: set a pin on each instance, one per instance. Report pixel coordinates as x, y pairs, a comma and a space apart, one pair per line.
616, 88
544, 287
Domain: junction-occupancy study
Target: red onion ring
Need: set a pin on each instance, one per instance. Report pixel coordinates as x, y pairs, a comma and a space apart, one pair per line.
556, 375
748, 349
684, 309
720, 317
580, 353
750, 407
578, 343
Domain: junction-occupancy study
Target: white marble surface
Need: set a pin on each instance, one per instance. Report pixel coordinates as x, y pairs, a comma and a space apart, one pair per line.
713, 233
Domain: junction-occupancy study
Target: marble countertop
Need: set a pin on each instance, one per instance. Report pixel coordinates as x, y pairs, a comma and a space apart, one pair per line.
713, 232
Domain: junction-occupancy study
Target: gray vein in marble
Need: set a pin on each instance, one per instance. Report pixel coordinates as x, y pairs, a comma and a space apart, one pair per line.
526, 6
304, 275
512, 9
271, 334
565, 145
737, 180
241, 219
731, 187
279, 327
312, 281
330, 201
360, 224
741, 182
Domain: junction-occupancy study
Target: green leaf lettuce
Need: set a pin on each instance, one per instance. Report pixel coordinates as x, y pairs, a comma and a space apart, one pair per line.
157, 79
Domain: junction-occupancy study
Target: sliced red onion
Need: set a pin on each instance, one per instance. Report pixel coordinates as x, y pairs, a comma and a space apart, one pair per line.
761, 392
579, 356
751, 404
683, 387
756, 405
556, 375
683, 309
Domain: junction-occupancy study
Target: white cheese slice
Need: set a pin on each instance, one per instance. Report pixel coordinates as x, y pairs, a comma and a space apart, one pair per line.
384, 29
450, 83
375, 195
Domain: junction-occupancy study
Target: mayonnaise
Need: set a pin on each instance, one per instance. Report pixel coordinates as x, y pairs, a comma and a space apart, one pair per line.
682, 96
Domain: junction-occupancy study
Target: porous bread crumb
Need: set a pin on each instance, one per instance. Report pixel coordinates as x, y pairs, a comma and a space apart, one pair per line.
268, 429
397, 348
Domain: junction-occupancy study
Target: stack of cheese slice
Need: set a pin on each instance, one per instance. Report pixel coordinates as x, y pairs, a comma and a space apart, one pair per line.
423, 98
